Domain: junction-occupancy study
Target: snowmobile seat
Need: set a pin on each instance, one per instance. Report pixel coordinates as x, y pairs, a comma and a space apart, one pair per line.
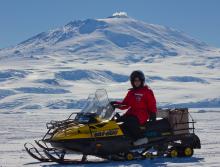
159, 126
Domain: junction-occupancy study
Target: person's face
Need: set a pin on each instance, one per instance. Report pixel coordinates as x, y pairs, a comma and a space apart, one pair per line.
137, 82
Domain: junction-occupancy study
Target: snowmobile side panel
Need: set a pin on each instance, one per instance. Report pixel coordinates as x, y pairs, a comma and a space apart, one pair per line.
98, 146
95, 130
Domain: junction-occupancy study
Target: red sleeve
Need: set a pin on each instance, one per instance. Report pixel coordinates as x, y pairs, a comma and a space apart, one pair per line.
151, 102
125, 102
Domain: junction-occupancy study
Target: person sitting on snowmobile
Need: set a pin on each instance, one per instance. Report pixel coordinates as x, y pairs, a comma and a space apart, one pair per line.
141, 105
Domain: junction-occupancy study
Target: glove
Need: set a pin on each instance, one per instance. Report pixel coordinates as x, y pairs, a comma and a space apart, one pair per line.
113, 104
153, 117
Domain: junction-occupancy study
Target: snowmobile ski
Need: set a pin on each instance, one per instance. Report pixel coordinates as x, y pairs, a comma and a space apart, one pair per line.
58, 157
35, 153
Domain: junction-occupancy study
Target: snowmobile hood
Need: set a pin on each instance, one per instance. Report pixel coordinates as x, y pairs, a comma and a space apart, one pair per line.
86, 131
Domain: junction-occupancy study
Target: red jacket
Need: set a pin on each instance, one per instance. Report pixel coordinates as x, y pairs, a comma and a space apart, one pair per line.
140, 103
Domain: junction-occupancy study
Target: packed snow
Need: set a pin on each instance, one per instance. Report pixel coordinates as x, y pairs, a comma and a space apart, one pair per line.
25, 126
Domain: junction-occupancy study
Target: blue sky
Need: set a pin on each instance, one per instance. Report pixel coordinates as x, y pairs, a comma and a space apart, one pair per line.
21, 19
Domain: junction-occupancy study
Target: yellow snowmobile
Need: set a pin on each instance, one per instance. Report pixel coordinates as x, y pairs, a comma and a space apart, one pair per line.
95, 131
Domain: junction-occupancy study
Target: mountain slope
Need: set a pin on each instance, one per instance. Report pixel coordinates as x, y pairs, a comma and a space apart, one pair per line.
109, 36
61, 66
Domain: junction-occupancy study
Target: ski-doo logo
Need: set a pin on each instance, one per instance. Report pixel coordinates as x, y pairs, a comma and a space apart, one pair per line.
110, 132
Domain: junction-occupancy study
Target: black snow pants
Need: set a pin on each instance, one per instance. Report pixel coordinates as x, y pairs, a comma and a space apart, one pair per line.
131, 126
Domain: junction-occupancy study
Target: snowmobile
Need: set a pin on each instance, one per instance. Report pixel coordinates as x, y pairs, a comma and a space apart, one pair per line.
95, 131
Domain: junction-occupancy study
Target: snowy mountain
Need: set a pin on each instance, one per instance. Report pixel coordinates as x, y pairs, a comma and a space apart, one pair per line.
59, 68
115, 38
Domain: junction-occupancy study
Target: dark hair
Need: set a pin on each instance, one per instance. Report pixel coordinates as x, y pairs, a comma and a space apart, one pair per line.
137, 74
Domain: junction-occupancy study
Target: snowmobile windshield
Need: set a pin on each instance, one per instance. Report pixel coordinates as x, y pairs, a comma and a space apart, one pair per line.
98, 104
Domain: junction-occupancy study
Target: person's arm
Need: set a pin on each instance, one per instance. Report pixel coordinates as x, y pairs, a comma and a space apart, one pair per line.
151, 105
124, 104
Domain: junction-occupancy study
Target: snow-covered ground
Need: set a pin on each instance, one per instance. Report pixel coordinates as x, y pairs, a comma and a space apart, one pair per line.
20, 127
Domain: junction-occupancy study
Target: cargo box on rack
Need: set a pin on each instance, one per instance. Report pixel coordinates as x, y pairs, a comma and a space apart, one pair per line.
178, 119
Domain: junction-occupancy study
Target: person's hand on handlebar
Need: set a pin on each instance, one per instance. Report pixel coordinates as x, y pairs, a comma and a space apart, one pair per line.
114, 104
